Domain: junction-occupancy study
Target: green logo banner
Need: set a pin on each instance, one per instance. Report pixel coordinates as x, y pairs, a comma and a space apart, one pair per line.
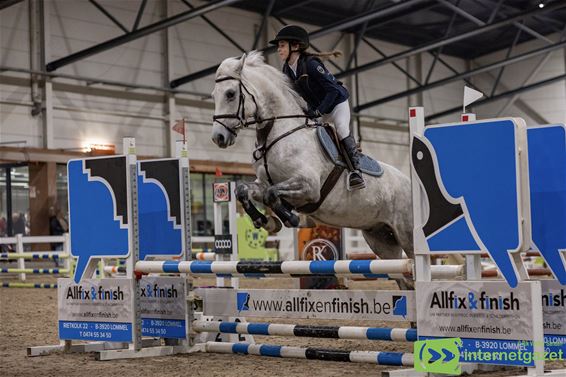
438, 356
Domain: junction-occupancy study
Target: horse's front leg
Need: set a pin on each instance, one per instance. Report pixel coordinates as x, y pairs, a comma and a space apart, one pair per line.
293, 188
245, 192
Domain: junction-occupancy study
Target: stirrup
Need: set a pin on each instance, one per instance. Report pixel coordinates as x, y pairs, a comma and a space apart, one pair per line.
359, 186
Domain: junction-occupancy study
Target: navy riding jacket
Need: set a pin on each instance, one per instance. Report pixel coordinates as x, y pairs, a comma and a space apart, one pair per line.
316, 84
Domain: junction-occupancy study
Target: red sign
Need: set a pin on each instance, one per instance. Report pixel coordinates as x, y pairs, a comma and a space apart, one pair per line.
221, 192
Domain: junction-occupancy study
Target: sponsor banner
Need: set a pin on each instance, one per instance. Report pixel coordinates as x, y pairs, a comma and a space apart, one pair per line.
102, 331
555, 343
320, 243
163, 307
494, 321
101, 309
164, 328
223, 243
320, 304
554, 307
438, 356
221, 192
484, 310
493, 351
554, 315
95, 309
251, 242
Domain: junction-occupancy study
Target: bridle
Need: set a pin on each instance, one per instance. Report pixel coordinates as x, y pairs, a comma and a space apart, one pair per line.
262, 147
240, 114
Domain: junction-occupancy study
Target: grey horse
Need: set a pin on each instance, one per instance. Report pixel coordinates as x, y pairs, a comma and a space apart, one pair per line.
291, 167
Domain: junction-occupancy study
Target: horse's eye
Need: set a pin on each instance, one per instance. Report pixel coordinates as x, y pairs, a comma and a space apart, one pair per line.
230, 94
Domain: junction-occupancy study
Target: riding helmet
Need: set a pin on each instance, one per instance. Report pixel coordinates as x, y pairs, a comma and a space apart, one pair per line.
292, 33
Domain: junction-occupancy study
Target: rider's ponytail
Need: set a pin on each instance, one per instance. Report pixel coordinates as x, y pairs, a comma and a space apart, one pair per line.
324, 55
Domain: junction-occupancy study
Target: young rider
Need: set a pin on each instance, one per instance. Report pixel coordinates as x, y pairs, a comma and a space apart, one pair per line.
326, 97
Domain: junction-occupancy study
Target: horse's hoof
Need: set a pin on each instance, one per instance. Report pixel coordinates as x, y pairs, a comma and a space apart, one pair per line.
258, 223
242, 193
273, 225
294, 221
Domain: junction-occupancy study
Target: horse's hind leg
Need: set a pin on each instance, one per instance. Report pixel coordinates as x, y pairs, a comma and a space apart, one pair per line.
383, 242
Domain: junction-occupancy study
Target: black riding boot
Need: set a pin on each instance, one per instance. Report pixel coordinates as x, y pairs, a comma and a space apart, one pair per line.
355, 178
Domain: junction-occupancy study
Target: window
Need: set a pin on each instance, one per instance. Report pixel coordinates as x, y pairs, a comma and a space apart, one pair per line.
62, 196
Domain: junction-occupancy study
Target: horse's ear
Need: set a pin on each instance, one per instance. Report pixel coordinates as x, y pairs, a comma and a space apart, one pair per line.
241, 64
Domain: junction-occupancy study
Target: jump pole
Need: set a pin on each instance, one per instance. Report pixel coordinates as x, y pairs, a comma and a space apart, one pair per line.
372, 357
334, 332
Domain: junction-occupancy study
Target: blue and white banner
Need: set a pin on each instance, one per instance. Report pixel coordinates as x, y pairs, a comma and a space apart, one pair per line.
160, 208
475, 185
495, 322
320, 304
163, 307
101, 309
98, 210
547, 175
95, 309
554, 315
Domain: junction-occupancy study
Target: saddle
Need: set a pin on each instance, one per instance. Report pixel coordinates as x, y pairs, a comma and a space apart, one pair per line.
329, 143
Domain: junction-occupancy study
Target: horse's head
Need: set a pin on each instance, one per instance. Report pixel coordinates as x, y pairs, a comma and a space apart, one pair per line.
233, 102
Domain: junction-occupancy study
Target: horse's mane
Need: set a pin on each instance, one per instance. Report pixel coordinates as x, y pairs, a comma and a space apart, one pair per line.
256, 61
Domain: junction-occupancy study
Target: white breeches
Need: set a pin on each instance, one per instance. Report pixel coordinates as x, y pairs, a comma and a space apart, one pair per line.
340, 117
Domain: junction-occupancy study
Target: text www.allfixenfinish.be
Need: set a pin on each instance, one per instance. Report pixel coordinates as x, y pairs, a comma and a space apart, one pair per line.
304, 304
483, 329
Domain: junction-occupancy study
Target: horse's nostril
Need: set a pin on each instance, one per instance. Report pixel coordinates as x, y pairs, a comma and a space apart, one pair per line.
220, 139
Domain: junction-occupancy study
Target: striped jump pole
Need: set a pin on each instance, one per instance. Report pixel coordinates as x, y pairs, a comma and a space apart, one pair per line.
243, 268
335, 332
28, 285
48, 271
31, 256
373, 357
382, 268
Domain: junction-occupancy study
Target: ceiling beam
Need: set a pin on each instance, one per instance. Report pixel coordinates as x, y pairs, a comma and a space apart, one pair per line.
337, 26
8, 3
142, 32
463, 75
448, 40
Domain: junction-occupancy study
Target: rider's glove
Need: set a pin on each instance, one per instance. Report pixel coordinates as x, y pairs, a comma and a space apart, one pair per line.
313, 113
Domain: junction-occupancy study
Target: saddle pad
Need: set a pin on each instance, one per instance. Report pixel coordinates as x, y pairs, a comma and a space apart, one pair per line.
367, 164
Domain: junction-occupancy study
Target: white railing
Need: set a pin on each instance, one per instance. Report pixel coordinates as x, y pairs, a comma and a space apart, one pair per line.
18, 241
